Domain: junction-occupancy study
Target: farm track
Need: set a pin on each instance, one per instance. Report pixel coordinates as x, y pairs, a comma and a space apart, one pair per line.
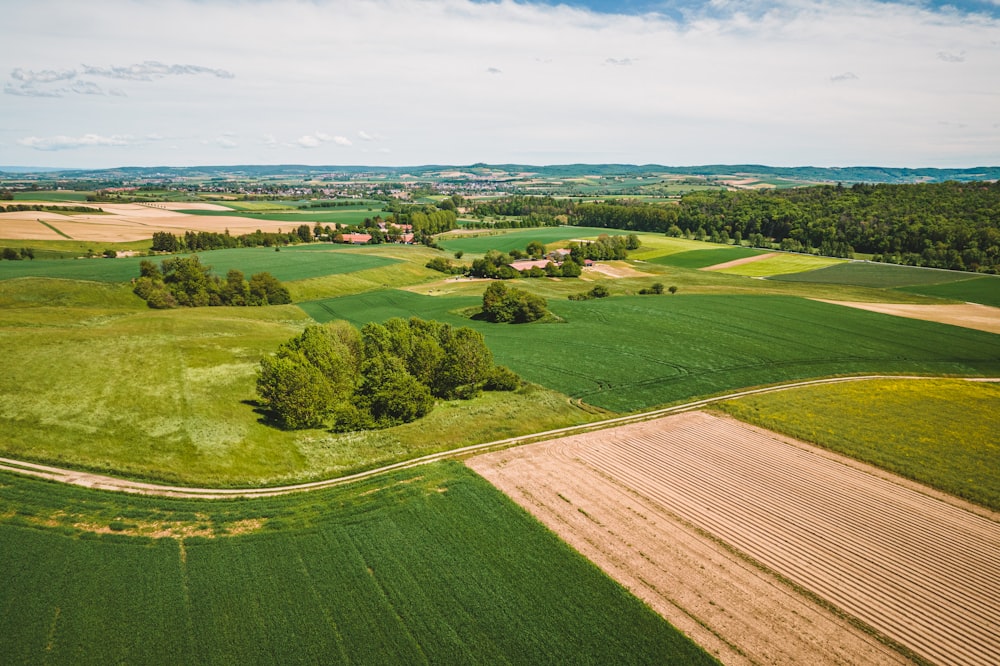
107, 482
917, 568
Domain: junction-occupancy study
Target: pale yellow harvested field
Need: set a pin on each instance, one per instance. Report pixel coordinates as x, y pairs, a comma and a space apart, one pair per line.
615, 269
679, 509
967, 315
127, 222
15, 226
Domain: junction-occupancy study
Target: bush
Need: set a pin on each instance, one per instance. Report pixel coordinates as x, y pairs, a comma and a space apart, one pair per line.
503, 379
502, 304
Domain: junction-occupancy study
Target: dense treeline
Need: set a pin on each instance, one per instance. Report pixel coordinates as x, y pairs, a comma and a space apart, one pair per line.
185, 281
18, 208
383, 375
198, 241
943, 225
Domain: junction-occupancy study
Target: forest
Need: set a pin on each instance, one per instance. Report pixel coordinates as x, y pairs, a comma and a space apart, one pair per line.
940, 225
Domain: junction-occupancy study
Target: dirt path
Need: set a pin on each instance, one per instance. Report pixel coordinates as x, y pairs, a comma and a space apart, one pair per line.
677, 509
104, 482
968, 315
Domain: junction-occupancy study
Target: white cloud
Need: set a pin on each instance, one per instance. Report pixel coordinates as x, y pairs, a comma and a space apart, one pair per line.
152, 69
774, 82
226, 142
60, 142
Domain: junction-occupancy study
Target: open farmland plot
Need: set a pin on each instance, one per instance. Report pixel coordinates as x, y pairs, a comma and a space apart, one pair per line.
780, 263
873, 274
984, 289
707, 257
297, 262
428, 566
660, 504
505, 241
633, 352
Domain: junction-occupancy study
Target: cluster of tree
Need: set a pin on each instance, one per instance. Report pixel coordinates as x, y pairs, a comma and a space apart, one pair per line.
657, 288
198, 241
605, 247
496, 265
185, 281
383, 375
444, 265
502, 304
10, 254
17, 208
942, 225
425, 220
598, 291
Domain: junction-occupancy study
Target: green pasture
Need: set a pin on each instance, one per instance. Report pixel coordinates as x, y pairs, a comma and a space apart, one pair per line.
431, 565
983, 289
703, 258
96, 380
296, 262
41, 196
781, 264
629, 353
874, 274
943, 433
71, 249
507, 240
658, 245
325, 216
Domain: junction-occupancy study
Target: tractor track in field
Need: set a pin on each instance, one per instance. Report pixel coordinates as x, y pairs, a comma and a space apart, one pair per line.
765, 549
111, 483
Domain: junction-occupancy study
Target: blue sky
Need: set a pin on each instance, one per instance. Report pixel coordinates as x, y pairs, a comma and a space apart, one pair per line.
403, 82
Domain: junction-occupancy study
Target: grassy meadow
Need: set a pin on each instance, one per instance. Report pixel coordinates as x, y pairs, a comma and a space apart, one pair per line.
781, 264
635, 352
943, 433
984, 290
425, 566
296, 262
703, 258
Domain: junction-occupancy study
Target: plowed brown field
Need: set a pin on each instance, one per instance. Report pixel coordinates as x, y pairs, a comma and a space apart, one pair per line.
719, 526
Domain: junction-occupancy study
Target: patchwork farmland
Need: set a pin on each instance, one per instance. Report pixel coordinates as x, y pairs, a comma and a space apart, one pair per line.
672, 507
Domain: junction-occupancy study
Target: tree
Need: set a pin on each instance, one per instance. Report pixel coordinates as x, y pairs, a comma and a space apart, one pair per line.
467, 360
294, 390
265, 289
502, 304
535, 249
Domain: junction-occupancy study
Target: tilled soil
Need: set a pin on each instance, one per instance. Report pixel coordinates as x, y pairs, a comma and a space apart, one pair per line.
766, 550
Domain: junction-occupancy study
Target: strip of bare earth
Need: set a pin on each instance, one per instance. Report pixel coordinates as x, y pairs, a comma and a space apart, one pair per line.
967, 315
719, 526
740, 262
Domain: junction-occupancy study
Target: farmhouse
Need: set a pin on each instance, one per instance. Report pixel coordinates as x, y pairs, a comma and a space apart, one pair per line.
357, 239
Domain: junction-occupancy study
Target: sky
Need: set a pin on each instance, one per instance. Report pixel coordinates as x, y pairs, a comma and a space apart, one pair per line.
906, 83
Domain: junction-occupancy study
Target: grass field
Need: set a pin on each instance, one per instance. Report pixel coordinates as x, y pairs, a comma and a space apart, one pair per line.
984, 289
703, 258
69, 249
351, 216
297, 262
99, 381
943, 433
781, 264
507, 240
426, 566
635, 352
883, 276
52, 195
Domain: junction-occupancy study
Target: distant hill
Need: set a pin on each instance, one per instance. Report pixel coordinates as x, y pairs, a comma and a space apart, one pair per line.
803, 174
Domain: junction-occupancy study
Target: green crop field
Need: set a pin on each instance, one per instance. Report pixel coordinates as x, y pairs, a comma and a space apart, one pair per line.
507, 240
297, 262
41, 196
883, 276
350, 216
634, 352
781, 264
944, 433
431, 565
703, 258
984, 289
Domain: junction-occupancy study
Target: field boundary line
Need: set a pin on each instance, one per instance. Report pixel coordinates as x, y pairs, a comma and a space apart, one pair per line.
106, 482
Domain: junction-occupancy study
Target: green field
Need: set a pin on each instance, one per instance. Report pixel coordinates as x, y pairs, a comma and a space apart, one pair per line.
42, 196
984, 290
350, 216
297, 262
703, 258
781, 264
883, 276
635, 352
507, 240
427, 566
943, 433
